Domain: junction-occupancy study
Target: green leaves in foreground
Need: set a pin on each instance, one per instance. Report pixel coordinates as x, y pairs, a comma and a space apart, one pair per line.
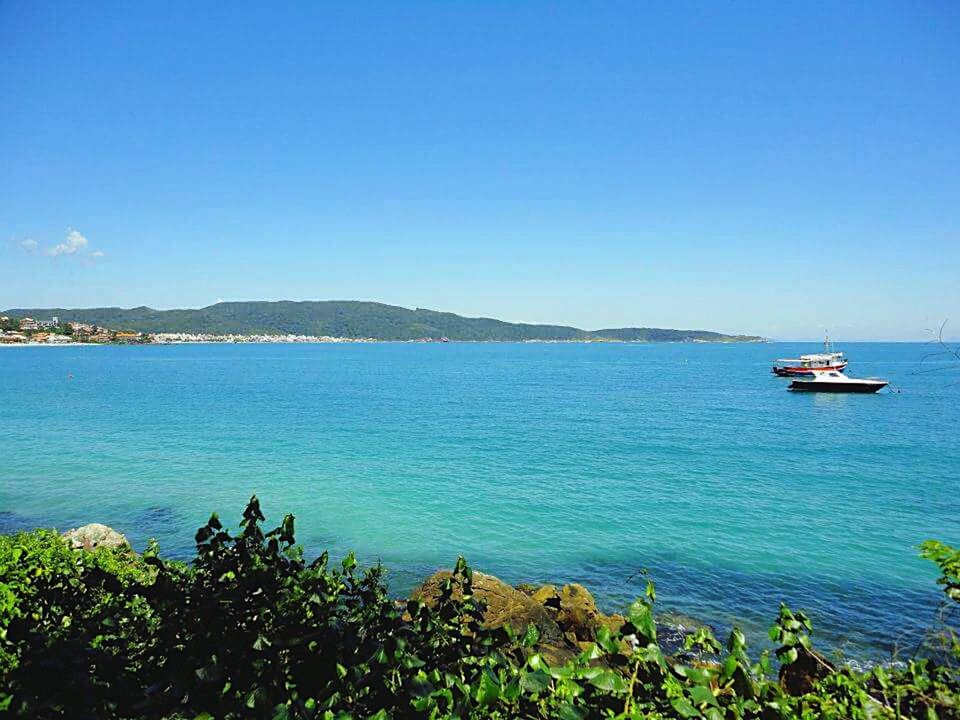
249, 629
948, 560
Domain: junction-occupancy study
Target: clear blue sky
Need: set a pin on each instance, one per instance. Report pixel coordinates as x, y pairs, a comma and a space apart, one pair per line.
731, 166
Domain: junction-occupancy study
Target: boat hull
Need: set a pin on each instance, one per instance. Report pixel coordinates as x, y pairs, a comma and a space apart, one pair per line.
794, 371
836, 387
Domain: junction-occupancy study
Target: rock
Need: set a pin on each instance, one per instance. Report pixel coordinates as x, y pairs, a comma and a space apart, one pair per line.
578, 612
93, 536
507, 606
567, 619
548, 597
614, 622
798, 677
527, 588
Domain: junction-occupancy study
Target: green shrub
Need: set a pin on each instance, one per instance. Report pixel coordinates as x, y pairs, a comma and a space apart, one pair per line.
64, 614
251, 630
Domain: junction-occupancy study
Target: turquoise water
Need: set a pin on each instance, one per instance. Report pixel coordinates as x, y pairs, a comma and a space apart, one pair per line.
538, 462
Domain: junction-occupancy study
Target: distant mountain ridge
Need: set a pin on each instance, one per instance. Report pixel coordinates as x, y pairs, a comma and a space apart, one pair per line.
353, 319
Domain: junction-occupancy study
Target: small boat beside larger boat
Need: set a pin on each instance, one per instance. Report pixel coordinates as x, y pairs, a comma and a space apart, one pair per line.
805, 364
833, 381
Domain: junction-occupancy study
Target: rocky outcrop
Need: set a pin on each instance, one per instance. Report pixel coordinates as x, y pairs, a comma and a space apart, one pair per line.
95, 535
567, 618
578, 613
506, 606
799, 677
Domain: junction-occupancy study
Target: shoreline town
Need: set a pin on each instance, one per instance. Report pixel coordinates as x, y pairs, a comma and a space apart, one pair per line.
54, 332
27, 331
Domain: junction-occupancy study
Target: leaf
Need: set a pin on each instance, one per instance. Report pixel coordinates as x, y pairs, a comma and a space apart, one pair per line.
737, 641
531, 636
511, 691
606, 640
701, 695
569, 712
208, 674
592, 652
535, 682
787, 655
588, 673
641, 618
609, 680
729, 668
488, 691
684, 708
412, 661
699, 676
421, 685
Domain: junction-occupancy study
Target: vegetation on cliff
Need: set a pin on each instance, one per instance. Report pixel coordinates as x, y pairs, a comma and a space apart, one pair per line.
353, 319
250, 629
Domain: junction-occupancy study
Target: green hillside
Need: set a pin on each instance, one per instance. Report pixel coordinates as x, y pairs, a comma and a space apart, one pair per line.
355, 319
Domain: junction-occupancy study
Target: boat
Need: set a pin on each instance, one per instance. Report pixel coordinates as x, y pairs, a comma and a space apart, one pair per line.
832, 381
806, 364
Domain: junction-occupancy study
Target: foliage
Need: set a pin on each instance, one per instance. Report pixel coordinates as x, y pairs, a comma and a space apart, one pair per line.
353, 319
948, 560
250, 629
59, 606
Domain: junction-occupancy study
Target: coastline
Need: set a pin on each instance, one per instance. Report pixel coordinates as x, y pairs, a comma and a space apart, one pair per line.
376, 341
566, 613
50, 345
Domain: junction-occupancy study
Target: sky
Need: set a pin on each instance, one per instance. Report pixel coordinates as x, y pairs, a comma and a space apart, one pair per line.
766, 168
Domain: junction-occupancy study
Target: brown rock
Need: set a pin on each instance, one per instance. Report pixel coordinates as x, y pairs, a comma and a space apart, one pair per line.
567, 619
507, 606
613, 622
527, 588
548, 597
799, 677
578, 612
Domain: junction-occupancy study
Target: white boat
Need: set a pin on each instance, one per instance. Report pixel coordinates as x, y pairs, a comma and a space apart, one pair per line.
833, 381
805, 364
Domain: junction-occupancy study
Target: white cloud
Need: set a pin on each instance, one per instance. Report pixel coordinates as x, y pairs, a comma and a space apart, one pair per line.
74, 243
30, 245
96, 254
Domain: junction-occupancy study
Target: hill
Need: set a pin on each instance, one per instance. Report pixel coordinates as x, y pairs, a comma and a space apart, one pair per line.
351, 318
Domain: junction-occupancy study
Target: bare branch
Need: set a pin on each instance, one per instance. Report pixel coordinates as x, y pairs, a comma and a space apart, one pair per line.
942, 349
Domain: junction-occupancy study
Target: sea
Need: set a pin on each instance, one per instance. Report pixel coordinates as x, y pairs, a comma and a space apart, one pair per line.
601, 464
